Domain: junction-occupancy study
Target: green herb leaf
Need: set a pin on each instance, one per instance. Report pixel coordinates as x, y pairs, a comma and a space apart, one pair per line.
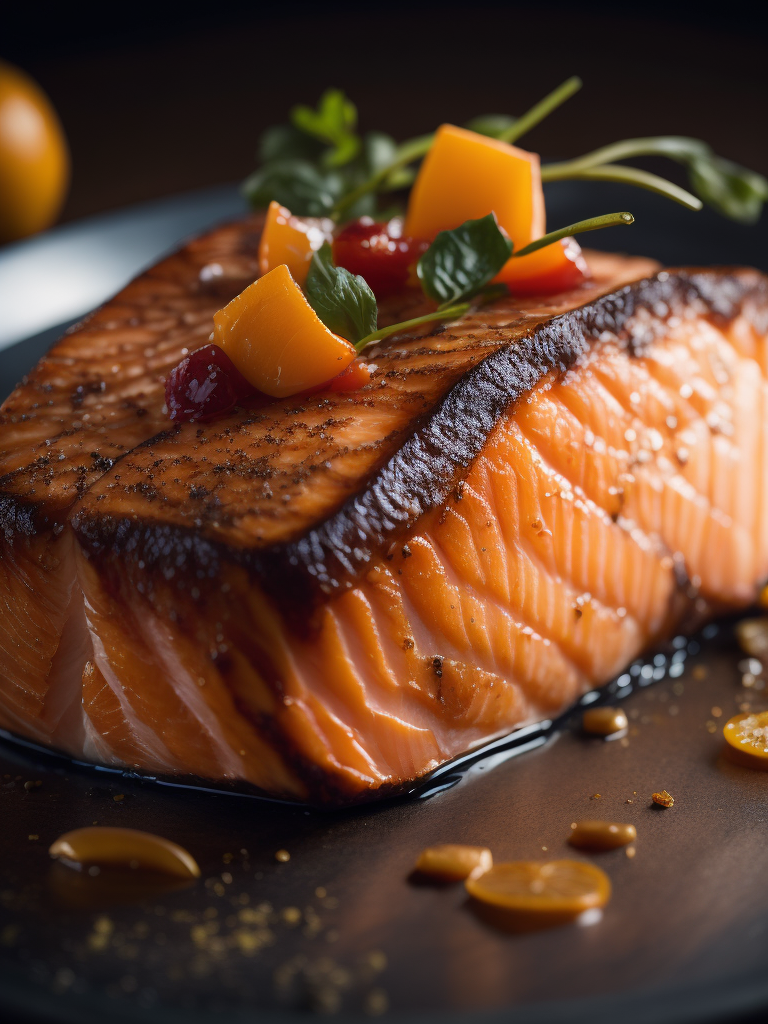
334, 123
732, 190
462, 261
343, 301
297, 184
284, 142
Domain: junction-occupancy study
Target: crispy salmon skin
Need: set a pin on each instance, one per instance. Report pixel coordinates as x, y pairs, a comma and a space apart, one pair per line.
328, 597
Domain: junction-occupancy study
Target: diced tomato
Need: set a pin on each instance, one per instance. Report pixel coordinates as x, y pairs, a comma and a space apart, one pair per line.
378, 251
356, 376
205, 384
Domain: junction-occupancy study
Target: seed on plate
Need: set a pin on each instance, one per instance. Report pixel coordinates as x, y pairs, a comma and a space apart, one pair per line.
663, 799
603, 721
551, 891
601, 835
452, 862
746, 740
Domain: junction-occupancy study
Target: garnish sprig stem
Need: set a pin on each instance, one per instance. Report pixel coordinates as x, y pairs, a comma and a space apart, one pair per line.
541, 110
415, 149
641, 179
676, 147
450, 313
608, 220
599, 165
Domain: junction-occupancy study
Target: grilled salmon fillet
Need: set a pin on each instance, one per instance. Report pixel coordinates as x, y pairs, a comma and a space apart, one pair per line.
328, 597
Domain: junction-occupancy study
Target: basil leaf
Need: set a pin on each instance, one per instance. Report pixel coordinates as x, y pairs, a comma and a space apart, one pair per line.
334, 123
460, 262
297, 184
730, 189
492, 125
343, 301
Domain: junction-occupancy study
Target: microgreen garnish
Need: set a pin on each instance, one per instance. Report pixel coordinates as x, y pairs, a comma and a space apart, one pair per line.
311, 163
333, 123
348, 307
457, 267
459, 263
343, 301
732, 190
319, 166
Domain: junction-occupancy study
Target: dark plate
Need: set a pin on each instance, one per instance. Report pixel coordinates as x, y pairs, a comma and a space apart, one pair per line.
685, 937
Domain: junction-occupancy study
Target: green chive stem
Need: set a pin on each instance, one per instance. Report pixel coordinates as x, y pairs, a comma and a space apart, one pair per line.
409, 151
676, 147
440, 314
541, 110
642, 179
608, 220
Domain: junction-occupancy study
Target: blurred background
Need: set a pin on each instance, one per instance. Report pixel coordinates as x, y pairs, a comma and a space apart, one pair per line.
160, 97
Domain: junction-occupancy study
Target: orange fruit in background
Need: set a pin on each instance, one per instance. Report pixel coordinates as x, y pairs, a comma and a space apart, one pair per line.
34, 157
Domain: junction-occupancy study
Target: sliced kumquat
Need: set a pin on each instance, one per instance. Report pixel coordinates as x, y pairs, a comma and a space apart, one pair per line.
559, 890
746, 740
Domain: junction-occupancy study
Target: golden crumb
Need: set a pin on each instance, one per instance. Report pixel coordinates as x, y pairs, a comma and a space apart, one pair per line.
630, 852
716, 712
663, 799
283, 856
118, 797
33, 838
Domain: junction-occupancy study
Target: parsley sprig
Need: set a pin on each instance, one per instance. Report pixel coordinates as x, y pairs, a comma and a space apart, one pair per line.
319, 166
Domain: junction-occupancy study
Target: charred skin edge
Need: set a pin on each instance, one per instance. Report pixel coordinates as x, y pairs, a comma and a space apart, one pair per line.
432, 461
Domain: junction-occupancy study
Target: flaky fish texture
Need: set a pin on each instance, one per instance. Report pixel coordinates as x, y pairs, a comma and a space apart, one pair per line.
328, 597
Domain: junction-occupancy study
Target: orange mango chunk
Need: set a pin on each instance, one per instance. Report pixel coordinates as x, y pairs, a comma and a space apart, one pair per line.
556, 268
275, 338
291, 240
466, 176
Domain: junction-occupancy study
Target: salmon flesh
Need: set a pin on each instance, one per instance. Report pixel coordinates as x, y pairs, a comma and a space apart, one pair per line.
328, 597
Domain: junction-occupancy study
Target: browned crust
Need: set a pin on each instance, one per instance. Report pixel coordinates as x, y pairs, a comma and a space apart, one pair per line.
427, 467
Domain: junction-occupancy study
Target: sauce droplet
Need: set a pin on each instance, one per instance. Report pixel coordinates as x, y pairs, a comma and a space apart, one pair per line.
604, 721
601, 835
99, 846
453, 862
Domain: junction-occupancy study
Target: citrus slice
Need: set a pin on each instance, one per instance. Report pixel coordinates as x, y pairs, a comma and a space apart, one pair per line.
746, 739
557, 890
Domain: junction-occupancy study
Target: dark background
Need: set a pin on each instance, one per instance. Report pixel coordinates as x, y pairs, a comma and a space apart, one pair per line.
161, 97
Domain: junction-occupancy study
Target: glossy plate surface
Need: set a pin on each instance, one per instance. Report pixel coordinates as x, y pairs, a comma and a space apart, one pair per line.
340, 927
